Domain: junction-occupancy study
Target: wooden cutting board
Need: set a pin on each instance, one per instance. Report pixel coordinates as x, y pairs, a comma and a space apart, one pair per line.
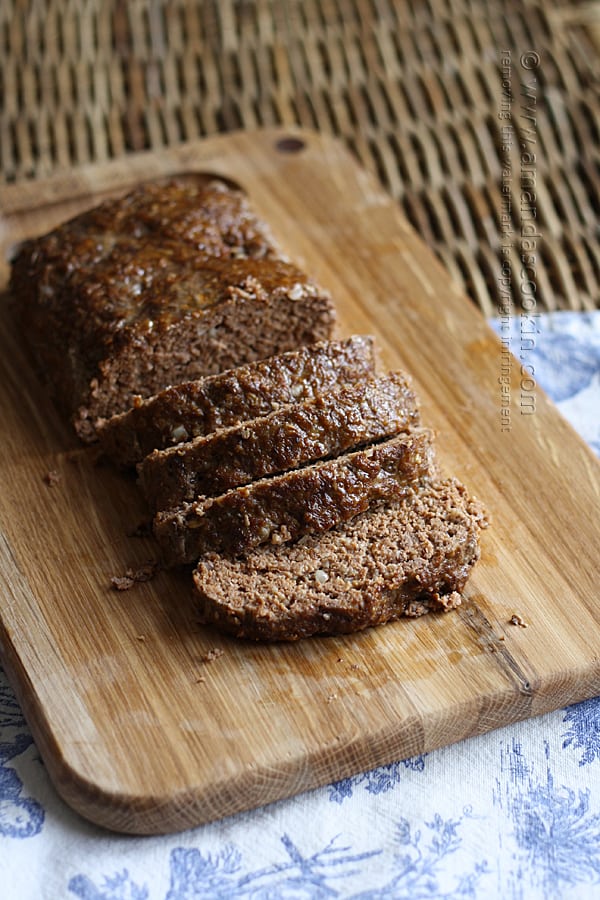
142, 725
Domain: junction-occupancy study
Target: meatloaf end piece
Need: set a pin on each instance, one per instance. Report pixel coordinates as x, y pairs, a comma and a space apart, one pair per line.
284, 507
144, 315
207, 213
285, 439
197, 408
400, 559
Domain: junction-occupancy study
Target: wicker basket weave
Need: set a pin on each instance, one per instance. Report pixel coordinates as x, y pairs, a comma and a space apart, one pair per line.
481, 118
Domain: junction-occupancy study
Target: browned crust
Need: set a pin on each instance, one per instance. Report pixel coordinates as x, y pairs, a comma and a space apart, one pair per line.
112, 309
213, 217
398, 560
285, 507
285, 439
197, 408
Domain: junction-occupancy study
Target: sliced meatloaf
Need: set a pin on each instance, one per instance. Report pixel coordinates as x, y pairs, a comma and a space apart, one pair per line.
113, 312
400, 559
195, 408
284, 507
285, 439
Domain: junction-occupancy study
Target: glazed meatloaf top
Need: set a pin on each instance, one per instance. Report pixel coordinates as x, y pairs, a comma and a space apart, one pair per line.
285, 507
197, 408
112, 308
204, 213
400, 559
285, 439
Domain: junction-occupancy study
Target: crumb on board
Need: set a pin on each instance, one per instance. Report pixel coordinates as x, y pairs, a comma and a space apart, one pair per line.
517, 620
134, 576
121, 582
213, 654
51, 478
141, 638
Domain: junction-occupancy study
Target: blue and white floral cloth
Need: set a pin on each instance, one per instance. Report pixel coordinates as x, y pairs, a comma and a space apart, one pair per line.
512, 814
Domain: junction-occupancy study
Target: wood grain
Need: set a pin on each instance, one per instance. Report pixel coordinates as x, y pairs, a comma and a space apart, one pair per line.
140, 730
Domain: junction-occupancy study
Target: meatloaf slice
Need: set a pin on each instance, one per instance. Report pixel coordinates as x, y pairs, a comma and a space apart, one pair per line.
304, 501
112, 315
196, 408
400, 559
287, 438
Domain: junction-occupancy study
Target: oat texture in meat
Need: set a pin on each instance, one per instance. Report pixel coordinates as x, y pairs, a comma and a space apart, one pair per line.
401, 559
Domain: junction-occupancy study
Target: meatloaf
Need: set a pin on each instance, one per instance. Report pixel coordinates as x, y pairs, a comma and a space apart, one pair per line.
156, 289
195, 408
206, 213
287, 438
284, 507
400, 559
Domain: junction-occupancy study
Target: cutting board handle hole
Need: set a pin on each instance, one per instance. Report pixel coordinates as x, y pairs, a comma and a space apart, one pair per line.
290, 145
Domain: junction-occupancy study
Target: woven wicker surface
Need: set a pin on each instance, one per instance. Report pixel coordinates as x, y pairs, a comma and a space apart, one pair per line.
478, 138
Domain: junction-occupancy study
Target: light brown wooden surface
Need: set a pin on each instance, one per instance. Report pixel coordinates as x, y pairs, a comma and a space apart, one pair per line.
138, 730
